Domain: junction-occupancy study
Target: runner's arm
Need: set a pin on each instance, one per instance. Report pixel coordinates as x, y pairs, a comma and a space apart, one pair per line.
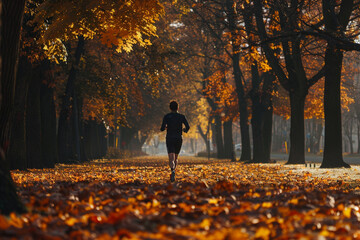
163, 125
187, 127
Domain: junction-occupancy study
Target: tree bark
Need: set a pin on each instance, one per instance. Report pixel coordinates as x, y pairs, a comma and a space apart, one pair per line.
335, 23
297, 130
229, 150
219, 137
82, 131
33, 122
268, 86
67, 132
76, 127
17, 148
11, 19
257, 117
332, 106
48, 118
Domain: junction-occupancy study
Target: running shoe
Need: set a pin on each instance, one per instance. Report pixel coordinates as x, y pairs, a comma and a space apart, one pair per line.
172, 176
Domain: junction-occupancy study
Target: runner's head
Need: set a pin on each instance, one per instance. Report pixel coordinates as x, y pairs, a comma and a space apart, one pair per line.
174, 106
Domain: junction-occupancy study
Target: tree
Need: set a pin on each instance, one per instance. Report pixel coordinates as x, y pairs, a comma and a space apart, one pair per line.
33, 139
201, 54
335, 24
295, 79
238, 77
117, 24
11, 19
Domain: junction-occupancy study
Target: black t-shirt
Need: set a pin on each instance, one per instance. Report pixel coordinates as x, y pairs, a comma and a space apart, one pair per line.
173, 123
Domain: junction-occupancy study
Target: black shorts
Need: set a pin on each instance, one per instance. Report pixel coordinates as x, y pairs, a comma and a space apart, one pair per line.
173, 145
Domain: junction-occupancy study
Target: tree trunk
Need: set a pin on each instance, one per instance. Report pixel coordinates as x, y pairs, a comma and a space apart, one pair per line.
348, 132
257, 133
82, 131
33, 121
297, 130
218, 137
48, 118
67, 146
205, 137
76, 127
11, 19
267, 133
358, 135
257, 116
17, 148
229, 151
88, 136
268, 86
332, 107
192, 145
9, 200
244, 122
104, 143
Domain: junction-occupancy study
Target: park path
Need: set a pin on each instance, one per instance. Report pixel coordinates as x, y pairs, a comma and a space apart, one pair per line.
211, 199
312, 158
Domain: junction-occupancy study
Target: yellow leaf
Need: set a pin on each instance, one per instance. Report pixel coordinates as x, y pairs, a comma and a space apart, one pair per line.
71, 221
347, 212
267, 205
263, 233
205, 224
213, 201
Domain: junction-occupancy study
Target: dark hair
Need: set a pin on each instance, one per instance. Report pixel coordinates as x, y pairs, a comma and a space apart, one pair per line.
174, 106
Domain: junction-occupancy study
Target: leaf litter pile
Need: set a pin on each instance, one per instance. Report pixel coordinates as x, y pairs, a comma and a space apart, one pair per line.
211, 199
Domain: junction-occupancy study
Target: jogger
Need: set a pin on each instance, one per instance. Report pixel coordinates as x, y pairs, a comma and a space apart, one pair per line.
173, 123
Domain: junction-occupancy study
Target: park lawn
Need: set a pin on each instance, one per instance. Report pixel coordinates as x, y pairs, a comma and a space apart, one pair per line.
211, 199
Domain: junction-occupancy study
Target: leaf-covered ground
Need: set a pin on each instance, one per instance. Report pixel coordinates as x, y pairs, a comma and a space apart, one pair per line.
133, 199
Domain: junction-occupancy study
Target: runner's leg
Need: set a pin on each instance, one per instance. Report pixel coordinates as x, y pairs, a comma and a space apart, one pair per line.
172, 163
176, 160
177, 151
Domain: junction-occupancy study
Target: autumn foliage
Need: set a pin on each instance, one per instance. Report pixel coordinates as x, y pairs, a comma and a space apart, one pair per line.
216, 199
